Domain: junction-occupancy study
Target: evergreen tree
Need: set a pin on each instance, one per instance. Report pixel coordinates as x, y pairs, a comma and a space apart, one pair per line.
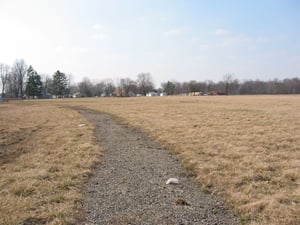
34, 85
169, 88
60, 84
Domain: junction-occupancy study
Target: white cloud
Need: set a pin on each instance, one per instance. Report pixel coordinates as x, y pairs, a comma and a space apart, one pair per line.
79, 50
205, 46
98, 26
200, 58
222, 32
229, 39
59, 49
159, 53
262, 39
175, 31
157, 17
244, 39
101, 36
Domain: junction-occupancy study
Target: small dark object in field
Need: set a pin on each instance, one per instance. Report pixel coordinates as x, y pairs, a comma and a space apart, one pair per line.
181, 202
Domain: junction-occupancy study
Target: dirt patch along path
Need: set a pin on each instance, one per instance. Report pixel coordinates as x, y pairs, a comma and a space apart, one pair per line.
129, 185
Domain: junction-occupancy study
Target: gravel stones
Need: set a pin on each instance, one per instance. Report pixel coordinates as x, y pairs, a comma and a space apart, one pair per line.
129, 185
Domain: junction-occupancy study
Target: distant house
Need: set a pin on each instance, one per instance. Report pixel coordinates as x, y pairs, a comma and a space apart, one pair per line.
119, 92
131, 94
213, 93
46, 96
77, 95
197, 93
151, 94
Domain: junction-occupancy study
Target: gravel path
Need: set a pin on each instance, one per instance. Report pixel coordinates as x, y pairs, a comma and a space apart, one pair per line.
129, 185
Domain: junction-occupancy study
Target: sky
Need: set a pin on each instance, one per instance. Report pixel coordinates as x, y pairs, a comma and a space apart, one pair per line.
177, 40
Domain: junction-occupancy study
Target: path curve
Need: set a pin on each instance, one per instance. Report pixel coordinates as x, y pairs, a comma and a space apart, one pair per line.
129, 185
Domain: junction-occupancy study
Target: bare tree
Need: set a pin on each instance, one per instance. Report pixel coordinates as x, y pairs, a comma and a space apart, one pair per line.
209, 85
86, 87
193, 86
126, 87
12, 87
109, 87
73, 89
183, 88
4, 75
19, 73
47, 81
145, 83
99, 89
230, 82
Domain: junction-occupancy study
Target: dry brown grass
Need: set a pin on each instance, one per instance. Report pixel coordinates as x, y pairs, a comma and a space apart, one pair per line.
45, 160
244, 148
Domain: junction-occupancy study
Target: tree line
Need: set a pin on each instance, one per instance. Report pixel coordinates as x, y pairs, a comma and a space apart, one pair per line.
231, 86
22, 81
121, 87
228, 86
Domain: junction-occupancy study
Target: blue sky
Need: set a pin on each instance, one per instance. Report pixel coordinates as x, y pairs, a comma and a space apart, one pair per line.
177, 40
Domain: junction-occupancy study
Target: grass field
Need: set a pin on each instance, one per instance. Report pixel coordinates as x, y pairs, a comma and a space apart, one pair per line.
45, 159
243, 148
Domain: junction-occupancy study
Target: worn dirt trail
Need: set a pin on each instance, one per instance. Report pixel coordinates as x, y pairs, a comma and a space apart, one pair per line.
129, 185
